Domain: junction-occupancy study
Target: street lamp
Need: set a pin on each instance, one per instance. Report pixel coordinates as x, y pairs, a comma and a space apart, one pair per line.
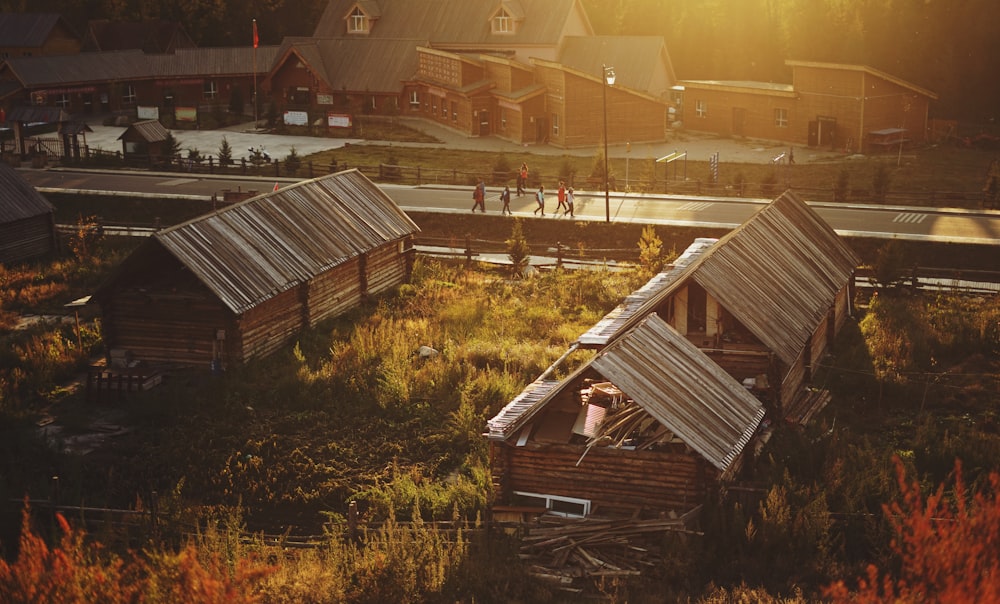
609, 80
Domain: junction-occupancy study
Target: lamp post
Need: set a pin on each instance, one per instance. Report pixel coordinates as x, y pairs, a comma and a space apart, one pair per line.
609, 80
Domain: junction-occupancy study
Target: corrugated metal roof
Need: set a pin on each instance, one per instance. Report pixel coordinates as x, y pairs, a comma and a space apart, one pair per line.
249, 252
18, 199
612, 323
457, 22
28, 30
636, 59
683, 389
88, 67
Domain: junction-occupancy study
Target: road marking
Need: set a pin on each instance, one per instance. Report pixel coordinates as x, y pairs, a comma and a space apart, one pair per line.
176, 181
695, 206
909, 217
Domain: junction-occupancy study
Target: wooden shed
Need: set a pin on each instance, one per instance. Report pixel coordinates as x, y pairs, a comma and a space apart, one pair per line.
27, 223
648, 426
685, 369
146, 139
240, 282
764, 302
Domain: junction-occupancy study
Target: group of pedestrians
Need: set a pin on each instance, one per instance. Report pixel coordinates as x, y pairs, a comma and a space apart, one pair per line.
564, 196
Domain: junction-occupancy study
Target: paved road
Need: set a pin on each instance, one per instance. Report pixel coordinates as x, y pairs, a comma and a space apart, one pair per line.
900, 222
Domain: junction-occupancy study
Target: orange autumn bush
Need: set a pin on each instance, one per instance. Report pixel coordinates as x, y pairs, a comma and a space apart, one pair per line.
948, 547
77, 571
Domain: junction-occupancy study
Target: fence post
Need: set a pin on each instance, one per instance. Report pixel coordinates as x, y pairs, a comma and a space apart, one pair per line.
211, 165
468, 251
310, 164
277, 168
559, 257
352, 521
243, 161
418, 175
154, 512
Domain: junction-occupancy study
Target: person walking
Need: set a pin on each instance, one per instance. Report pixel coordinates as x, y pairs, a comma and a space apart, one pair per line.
505, 199
569, 202
522, 179
540, 199
479, 197
561, 196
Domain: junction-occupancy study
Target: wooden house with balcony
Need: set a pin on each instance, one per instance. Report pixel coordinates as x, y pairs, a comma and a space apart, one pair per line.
684, 372
242, 281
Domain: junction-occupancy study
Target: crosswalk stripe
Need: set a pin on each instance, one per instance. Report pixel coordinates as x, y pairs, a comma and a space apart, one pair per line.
909, 217
695, 206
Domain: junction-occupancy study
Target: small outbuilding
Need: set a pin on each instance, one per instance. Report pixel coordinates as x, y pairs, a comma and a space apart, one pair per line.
27, 219
241, 282
145, 139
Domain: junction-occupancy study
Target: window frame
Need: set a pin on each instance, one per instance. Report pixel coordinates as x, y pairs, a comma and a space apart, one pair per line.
781, 117
357, 21
701, 108
128, 95
546, 501
209, 89
502, 22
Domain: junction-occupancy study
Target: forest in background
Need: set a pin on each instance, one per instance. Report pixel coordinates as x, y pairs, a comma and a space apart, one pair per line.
950, 47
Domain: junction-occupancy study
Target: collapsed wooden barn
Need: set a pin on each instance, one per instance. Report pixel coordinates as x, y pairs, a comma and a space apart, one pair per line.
733, 328
27, 220
240, 282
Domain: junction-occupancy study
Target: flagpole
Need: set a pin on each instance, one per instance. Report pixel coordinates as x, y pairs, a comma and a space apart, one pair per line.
255, 41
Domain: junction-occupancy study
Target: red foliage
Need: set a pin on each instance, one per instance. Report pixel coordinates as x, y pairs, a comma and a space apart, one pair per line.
949, 547
75, 571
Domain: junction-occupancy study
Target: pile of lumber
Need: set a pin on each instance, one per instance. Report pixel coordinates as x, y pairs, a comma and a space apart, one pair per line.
564, 551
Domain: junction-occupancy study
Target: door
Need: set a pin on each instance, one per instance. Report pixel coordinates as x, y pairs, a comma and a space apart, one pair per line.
826, 131
739, 120
484, 122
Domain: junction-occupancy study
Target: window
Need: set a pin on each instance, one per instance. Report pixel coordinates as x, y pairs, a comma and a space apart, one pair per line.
374, 103
560, 506
128, 94
454, 111
210, 90
555, 124
503, 23
62, 100
444, 109
781, 118
503, 119
701, 108
414, 99
357, 22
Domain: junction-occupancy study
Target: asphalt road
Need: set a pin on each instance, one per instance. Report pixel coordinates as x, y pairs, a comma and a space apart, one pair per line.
899, 222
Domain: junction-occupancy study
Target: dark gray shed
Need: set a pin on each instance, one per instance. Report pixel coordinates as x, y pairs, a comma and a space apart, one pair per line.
27, 224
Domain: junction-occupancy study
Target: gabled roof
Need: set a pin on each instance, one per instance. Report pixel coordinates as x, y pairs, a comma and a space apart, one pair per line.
28, 30
669, 378
636, 59
18, 199
778, 274
88, 67
683, 389
249, 252
153, 36
151, 131
455, 22
357, 64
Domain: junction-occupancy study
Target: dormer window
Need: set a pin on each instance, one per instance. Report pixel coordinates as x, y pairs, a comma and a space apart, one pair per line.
357, 22
503, 23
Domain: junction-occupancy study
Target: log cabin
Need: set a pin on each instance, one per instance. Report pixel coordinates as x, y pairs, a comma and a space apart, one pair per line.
731, 330
242, 281
27, 219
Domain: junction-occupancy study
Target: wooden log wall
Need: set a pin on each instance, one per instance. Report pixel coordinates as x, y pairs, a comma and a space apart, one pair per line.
386, 267
819, 343
165, 327
269, 325
28, 238
333, 292
794, 381
610, 478
842, 308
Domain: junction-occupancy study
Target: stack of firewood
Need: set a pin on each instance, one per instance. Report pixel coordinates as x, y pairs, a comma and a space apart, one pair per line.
564, 550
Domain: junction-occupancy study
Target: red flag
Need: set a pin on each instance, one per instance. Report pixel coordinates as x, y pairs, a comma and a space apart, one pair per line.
256, 39
275, 186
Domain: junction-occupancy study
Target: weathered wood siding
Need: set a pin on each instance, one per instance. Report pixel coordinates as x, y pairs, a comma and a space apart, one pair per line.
819, 343
27, 238
386, 267
793, 381
333, 292
174, 326
608, 477
269, 325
